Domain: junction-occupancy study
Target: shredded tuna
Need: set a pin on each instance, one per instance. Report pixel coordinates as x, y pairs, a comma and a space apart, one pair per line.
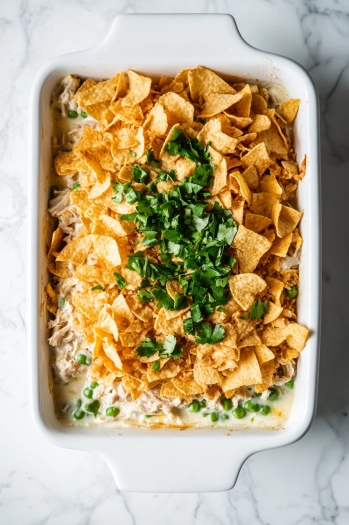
67, 214
290, 262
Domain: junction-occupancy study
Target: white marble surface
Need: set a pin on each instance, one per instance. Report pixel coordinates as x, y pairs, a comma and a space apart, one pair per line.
301, 484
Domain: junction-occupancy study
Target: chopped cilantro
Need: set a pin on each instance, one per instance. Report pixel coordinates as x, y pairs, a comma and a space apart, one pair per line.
151, 159
132, 153
207, 335
170, 348
258, 310
76, 185
139, 174
62, 303
145, 297
97, 287
118, 189
156, 365
120, 281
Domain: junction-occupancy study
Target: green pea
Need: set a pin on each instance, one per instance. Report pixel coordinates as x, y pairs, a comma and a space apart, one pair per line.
78, 403
88, 393
250, 406
88, 361
72, 114
274, 394
81, 359
292, 292
194, 406
224, 417
203, 403
84, 114
227, 404
264, 410
94, 384
78, 414
93, 406
214, 417
112, 411
239, 412
290, 383
204, 414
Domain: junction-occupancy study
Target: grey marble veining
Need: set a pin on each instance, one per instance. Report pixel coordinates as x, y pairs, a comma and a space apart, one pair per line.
305, 483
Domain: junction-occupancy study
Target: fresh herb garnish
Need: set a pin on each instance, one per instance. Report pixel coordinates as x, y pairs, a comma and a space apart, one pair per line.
209, 335
62, 303
132, 153
97, 287
120, 281
170, 348
156, 365
76, 185
151, 159
258, 310
139, 174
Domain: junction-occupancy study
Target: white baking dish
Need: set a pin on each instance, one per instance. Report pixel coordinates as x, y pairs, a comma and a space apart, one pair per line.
172, 460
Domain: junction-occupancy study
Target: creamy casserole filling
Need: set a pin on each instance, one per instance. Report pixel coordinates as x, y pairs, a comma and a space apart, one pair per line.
174, 263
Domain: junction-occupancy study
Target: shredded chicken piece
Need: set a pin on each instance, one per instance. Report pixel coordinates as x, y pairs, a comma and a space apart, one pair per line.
284, 373
68, 215
59, 202
67, 90
151, 403
66, 368
290, 262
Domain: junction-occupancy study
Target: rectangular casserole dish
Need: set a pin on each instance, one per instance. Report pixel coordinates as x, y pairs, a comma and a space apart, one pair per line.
186, 40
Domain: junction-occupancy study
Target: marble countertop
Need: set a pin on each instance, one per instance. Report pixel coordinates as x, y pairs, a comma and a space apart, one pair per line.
300, 484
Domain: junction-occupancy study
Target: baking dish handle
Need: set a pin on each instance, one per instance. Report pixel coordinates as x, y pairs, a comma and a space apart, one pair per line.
129, 35
175, 464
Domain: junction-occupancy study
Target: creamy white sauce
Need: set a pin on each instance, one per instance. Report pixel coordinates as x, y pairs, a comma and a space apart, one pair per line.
68, 396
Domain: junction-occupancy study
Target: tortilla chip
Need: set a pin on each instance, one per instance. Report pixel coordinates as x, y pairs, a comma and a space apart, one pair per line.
272, 336
157, 122
262, 203
169, 370
243, 186
285, 219
289, 109
243, 106
68, 163
237, 209
251, 339
100, 92
205, 375
122, 313
244, 288
178, 109
188, 388
260, 123
76, 250
203, 81
280, 247
165, 326
212, 132
90, 303
268, 370
169, 390
216, 103
297, 336
107, 249
106, 225
220, 173
106, 321
79, 198
125, 140
56, 241
269, 184
258, 156
250, 247
275, 288
139, 89
273, 313
256, 223
247, 373
263, 354
251, 177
